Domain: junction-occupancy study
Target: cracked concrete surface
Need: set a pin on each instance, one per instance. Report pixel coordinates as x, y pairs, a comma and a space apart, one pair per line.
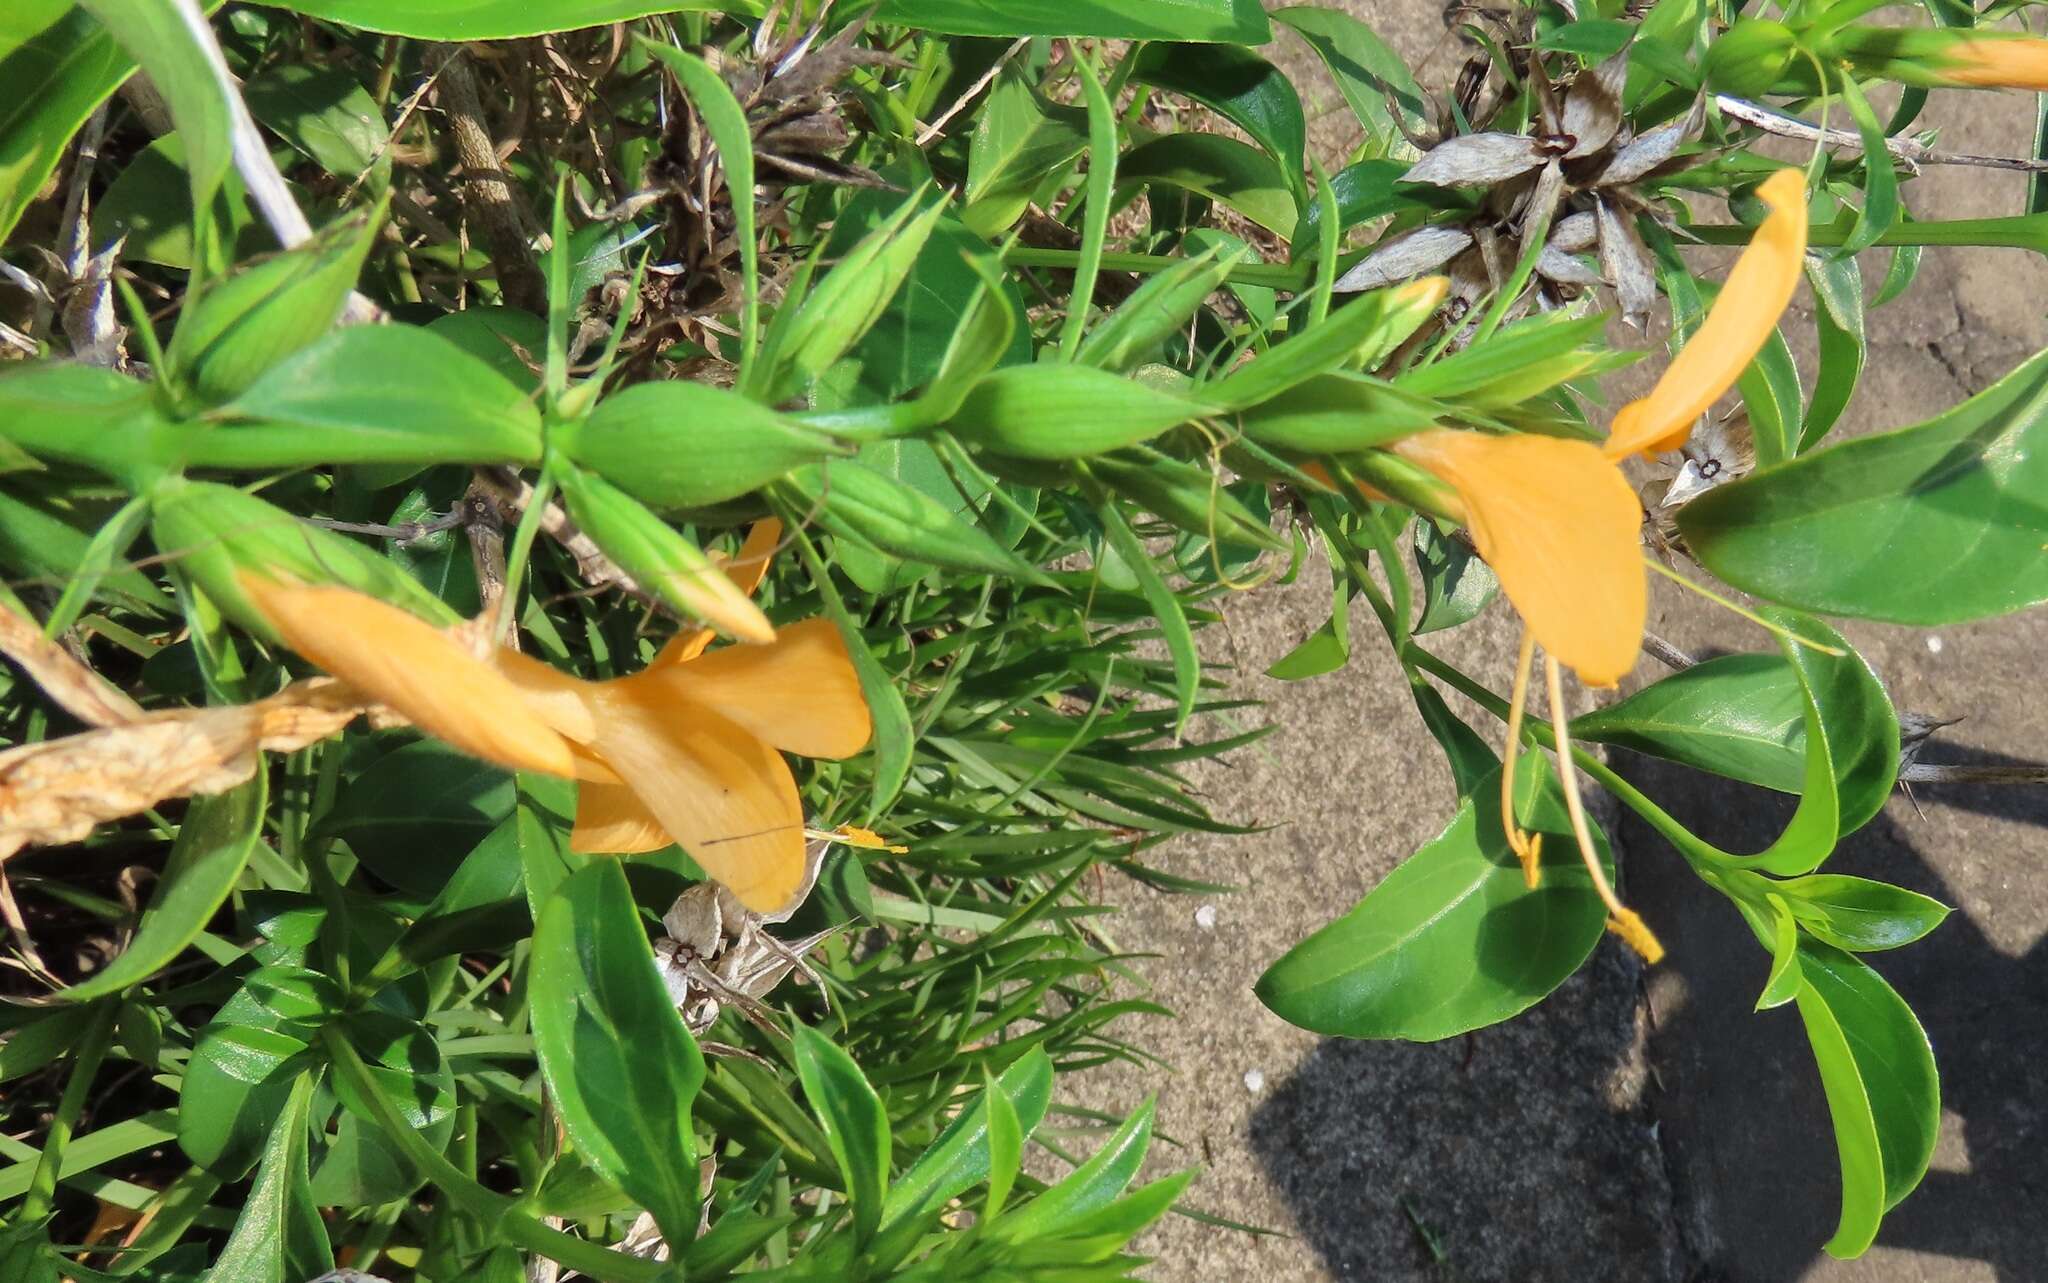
1640, 1127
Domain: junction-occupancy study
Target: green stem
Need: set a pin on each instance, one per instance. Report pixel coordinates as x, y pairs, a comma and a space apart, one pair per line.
1282, 276
498, 1213
521, 549
42, 1187
1706, 858
2020, 231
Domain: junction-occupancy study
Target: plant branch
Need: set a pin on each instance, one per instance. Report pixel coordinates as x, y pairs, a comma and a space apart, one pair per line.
1905, 149
487, 192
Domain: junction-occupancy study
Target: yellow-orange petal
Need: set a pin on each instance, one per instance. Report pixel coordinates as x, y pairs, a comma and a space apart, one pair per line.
749, 566
727, 797
562, 700
1561, 528
612, 820
426, 676
1988, 63
746, 568
798, 692
1737, 326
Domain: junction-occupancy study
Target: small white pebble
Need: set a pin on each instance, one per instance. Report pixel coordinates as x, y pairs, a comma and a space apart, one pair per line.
1934, 644
1255, 1080
1205, 917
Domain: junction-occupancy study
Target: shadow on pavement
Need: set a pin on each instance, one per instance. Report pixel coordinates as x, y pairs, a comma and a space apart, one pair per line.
1517, 1153
1497, 1155
1752, 1152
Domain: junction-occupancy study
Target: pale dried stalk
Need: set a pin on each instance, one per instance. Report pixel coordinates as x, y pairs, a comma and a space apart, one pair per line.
76, 689
1912, 153
58, 791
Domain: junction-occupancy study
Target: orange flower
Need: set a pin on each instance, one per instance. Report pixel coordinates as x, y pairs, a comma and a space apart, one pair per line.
1991, 62
684, 751
1560, 524
1740, 322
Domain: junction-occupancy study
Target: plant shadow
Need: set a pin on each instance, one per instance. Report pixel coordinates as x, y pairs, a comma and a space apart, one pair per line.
1510, 1153
1746, 1123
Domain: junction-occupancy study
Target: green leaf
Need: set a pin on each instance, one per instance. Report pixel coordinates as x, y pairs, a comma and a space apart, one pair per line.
1453, 939
1742, 717
623, 1069
1360, 333
1770, 392
1328, 648
1166, 608
1090, 1187
327, 115
244, 1064
1838, 321
1782, 985
279, 1237
497, 19
150, 203
1882, 1088
412, 815
1224, 170
959, 1158
371, 394
1226, 21
859, 504
843, 306
1595, 38
677, 444
726, 121
953, 320
1157, 310
206, 861
1880, 179
78, 413
238, 327
856, 1126
1019, 139
1373, 78
1239, 86
1857, 914
1456, 584
405, 1064
58, 64
1059, 412
1932, 524
171, 43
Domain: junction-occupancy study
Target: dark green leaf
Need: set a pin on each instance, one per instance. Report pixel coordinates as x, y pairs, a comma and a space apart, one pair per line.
1931, 524
1240, 86
1838, 320
184, 66
1860, 915
1224, 170
326, 114
1453, 939
417, 810
856, 1126
206, 861
1166, 608
1882, 1088
623, 1070
279, 1236
1232, 21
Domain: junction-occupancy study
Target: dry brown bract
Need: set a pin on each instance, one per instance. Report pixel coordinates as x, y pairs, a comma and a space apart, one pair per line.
58, 790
